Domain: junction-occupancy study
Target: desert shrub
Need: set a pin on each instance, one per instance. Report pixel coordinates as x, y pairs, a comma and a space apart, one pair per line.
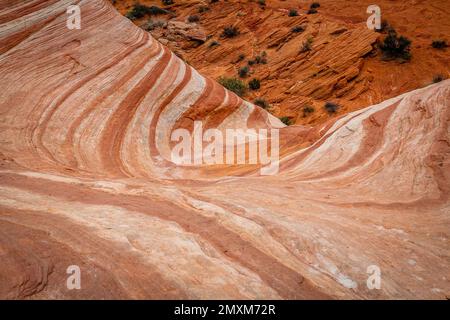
233, 84
298, 29
241, 57
167, 2
307, 110
307, 45
286, 120
293, 13
394, 47
243, 72
137, 11
193, 18
154, 10
152, 25
230, 32
331, 107
202, 9
312, 11
262, 103
261, 58
262, 2
314, 5
438, 78
439, 44
254, 84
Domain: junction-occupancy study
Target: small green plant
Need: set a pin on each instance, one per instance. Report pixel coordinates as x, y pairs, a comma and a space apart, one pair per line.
298, 29
137, 11
262, 2
243, 72
314, 5
307, 45
241, 57
331, 107
439, 44
230, 32
167, 2
395, 47
262, 103
312, 11
254, 84
261, 58
193, 18
293, 13
152, 25
233, 84
286, 120
307, 110
438, 78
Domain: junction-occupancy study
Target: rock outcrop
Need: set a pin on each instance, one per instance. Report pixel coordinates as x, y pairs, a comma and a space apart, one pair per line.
342, 66
86, 178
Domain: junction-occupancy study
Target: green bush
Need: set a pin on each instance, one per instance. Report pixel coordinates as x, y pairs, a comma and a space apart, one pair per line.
193, 18
262, 103
439, 44
261, 58
307, 110
233, 84
286, 120
152, 25
254, 84
243, 72
230, 32
331, 107
293, 13
307, 45
438, 78
138, 11
394, 47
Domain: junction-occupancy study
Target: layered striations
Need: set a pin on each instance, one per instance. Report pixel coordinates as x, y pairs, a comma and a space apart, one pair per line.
86, 178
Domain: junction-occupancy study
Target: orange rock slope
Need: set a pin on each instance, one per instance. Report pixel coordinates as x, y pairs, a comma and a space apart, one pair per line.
343, 65
86, 178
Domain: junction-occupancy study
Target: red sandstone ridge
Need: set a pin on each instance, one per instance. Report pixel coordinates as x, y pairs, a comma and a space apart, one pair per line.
86, 178
343, 65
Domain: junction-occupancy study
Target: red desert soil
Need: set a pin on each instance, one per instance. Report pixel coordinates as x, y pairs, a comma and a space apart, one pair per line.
343, 66
86, 176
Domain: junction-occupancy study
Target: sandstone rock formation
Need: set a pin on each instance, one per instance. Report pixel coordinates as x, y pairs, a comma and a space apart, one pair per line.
86, 178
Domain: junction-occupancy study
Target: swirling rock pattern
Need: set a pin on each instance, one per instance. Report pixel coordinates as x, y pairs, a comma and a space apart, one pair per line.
86, 178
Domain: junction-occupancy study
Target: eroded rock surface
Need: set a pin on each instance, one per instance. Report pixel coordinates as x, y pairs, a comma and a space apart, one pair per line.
86, 178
